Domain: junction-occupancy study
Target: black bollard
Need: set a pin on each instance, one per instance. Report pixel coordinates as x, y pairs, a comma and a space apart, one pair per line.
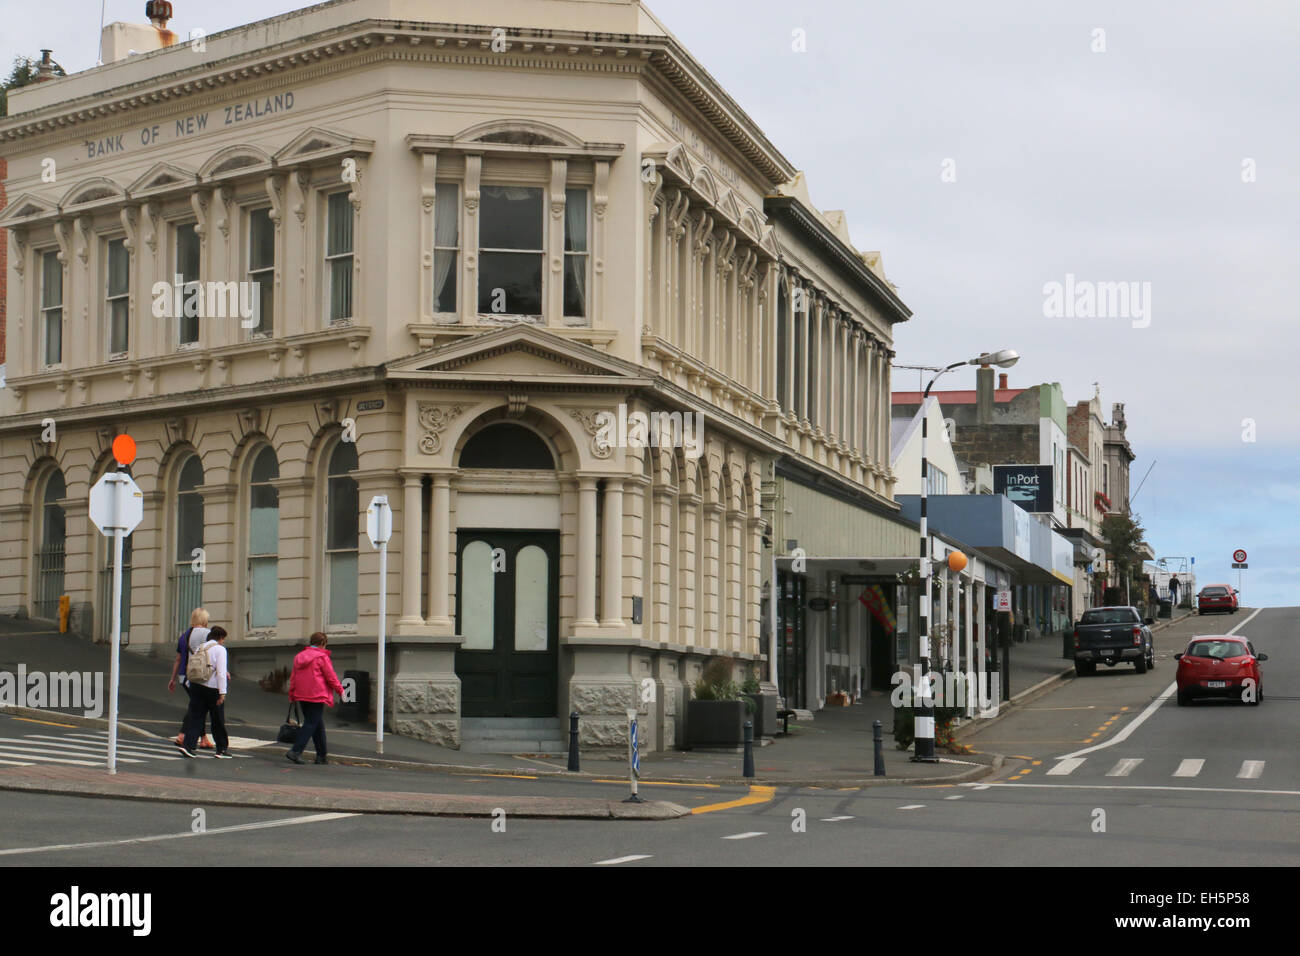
878, 739
749, 749
573, 741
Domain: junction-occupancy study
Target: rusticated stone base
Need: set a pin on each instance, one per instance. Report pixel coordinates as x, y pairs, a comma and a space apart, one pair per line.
425, 709
444, 731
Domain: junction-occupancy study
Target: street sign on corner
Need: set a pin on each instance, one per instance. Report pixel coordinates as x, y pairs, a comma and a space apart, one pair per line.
379, 520
116, 501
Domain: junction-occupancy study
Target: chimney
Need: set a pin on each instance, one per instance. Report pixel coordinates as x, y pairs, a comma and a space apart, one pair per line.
45, 70
1117, 415
984, 395
158, 12
1002, 381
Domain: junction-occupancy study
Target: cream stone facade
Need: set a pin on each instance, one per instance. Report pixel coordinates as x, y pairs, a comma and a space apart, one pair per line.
472, 246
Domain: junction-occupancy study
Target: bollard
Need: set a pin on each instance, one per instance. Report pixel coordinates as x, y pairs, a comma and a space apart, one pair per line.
878, 739
573, 741
748, 771
633, 757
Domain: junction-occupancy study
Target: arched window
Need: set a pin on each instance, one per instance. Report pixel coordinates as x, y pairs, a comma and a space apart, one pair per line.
343, 526
187, 579
263, 541
52, 535
506, 445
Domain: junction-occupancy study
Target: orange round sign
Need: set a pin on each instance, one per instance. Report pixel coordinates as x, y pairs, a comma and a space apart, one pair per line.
124, 449
956, 561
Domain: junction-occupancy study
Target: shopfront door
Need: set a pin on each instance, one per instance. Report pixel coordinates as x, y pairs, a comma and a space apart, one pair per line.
507, 609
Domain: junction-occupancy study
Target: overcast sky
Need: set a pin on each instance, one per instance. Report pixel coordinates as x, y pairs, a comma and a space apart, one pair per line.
989, 150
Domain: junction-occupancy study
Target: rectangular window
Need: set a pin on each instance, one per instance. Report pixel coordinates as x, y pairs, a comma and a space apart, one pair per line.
118, 298
446, 246
52, 307
187, 267
261, 267
338, 257
576, 251
511, 250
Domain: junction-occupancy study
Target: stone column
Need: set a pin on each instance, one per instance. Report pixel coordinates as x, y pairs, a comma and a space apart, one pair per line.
638, 558
611, 572
733, 639
687, 556
440, 553
586, 616
81, 546
412, 521
219, 548
712, 625
294, 614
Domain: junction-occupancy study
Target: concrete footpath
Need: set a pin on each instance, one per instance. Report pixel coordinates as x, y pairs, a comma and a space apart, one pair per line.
835, 749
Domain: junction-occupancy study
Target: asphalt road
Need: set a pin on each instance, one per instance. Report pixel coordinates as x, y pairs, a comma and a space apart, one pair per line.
1148, 783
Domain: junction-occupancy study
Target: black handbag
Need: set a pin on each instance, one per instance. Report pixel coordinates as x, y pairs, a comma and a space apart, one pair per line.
290, 728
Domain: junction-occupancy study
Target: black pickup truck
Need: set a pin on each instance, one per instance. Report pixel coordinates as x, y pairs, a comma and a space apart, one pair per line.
1113, 635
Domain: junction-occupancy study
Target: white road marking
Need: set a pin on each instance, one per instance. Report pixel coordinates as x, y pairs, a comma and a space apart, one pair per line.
1250, 770
744, 836
61, 750
89, 747
1137, 722
1124, 767
957, 797
622, 859
913, 806
44, 759
835, 819
16, 763
1066, 767
291, 821
1190, 767
1140, 786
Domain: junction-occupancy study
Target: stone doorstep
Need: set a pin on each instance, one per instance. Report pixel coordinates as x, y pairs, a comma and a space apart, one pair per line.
76, 781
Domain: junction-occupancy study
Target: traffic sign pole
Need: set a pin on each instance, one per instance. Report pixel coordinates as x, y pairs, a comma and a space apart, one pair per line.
117, 643
379, 528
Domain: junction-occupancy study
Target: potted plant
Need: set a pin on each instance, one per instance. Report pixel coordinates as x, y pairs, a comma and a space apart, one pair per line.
716, 714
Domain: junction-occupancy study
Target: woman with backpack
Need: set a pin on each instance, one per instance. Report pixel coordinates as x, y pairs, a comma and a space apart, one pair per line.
198, 629
207, 674
313, 683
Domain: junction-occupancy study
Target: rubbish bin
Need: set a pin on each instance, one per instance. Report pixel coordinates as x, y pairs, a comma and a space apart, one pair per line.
1167, 608
1018, 632
356, 711
1067, 642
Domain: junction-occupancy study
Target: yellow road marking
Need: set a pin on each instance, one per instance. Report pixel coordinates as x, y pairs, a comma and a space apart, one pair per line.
512, 776
47, 723
1038, 763
662, 783
756, 795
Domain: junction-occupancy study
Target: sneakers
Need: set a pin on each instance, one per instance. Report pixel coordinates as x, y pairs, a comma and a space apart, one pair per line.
224, 755
292, 757
188, 753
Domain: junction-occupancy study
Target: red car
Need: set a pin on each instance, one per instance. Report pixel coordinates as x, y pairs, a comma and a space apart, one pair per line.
1217, 597
1219, 666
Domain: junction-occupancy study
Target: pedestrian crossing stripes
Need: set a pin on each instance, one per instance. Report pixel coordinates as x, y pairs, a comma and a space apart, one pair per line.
1187, 767
81, 749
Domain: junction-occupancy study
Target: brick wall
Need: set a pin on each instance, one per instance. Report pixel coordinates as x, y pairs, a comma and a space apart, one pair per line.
997, 444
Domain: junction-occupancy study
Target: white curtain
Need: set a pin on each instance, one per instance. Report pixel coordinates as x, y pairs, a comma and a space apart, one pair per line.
445, 235
575, 240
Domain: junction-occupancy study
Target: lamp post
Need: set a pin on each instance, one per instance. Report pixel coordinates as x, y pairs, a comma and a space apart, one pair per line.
922, 705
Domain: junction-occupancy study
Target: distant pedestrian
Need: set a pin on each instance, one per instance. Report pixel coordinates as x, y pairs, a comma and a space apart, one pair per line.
207, 674
313, 683
197, 630
1173, 590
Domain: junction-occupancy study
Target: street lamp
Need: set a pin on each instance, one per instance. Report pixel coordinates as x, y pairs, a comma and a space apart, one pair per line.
922, 706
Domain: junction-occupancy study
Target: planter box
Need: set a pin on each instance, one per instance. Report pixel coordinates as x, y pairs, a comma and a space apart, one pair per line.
715, 723
764, 716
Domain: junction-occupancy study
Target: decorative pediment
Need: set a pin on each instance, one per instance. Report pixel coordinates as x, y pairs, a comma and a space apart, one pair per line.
706, 184
162, 178
234, 161
316, 144
728, 206
518, 353
92, 193
519, 132
751, 224
27, 208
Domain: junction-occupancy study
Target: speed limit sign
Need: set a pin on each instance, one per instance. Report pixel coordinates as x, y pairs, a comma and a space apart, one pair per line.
1239, 556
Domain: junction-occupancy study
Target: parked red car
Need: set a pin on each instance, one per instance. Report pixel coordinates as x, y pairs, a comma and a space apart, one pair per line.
1217, 597
1219, 666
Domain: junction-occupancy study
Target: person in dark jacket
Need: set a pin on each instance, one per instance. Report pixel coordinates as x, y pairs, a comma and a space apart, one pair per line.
313, 683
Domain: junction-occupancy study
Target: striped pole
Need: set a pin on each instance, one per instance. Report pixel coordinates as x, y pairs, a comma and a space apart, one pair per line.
922, 704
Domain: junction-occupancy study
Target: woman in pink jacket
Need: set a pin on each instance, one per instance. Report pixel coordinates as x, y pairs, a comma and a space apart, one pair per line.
314, 684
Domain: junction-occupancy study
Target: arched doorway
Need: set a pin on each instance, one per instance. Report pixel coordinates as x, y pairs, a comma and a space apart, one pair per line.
507, 594
51, 550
